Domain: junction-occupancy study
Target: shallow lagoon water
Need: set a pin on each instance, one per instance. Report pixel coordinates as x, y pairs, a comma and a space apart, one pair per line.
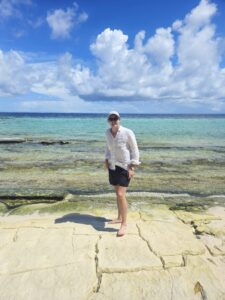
65, 153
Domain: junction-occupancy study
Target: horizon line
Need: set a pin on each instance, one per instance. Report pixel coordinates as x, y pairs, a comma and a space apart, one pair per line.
103, 113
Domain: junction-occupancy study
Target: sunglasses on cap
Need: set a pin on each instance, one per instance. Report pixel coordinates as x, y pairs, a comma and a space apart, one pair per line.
115, 118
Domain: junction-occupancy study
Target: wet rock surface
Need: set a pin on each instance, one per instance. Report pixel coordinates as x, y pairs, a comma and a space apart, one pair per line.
77, 255
77, 163
11, 140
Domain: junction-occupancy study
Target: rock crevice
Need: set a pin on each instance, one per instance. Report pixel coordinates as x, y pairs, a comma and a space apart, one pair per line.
98, 273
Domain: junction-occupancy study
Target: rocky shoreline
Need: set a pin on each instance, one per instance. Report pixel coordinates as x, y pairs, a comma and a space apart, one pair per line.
15, 200
76, 255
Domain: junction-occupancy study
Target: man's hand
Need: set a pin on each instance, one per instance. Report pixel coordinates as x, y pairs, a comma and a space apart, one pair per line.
130, 172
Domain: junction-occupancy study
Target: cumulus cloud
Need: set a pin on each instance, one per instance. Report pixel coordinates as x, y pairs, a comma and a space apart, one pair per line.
118, 65
62, 21
15, 74
178, 64
160, 47
199, 55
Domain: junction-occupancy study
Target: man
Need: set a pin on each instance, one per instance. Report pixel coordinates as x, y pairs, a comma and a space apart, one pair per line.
121, 157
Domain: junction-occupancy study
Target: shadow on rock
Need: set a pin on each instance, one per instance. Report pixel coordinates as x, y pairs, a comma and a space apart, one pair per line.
98, 223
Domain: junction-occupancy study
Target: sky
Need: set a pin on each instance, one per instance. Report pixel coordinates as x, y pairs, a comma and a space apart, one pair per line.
93, 56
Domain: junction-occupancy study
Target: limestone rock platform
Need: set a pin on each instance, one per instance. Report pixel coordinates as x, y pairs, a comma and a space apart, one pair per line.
165, 254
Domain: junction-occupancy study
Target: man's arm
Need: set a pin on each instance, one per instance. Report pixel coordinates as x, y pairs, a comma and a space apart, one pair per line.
106, 164
134, 152
107, 156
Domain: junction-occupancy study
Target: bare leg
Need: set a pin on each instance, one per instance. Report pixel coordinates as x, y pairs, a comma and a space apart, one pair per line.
119, 217
122, 203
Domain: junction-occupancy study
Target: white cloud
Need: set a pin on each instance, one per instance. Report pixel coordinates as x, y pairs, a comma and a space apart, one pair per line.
62, 21
199, 55
160, 47
186, 68
178, 64
15, 74
118, 65
109, 44
11, 8
201, 15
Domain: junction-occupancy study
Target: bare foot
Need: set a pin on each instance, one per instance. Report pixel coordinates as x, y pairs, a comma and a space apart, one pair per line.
122, 230
115, 221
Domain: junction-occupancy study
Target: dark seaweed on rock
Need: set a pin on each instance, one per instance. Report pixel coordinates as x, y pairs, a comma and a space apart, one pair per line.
12, 140
32, 194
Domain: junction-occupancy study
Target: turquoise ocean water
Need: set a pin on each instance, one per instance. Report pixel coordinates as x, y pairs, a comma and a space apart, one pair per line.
178, 153
149, 129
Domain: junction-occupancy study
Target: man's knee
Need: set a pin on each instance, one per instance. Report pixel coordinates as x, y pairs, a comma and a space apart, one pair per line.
120, 194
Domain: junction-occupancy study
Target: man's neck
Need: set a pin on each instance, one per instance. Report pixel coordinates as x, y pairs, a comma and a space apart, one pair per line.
115, 129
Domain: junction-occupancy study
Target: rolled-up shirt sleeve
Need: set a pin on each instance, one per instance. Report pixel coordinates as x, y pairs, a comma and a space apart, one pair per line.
134, 151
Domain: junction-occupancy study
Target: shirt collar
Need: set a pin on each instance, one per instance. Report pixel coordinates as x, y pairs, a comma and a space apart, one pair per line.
119, 129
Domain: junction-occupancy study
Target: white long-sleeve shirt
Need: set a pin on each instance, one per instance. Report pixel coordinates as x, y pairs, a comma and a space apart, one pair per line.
121, 150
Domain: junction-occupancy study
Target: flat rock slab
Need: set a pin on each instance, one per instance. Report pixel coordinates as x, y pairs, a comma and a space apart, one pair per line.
158, 213
72, 281
199, 276
123, 254
155, 285
6, 237
170, 238
212, 222
216, 228
215, 245
81, 223
78, 256
189, 217
171, 261
43, 223
217, 211
196, 281
34, 248
37, 263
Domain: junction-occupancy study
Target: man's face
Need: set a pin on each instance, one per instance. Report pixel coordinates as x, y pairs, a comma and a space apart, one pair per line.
114, 121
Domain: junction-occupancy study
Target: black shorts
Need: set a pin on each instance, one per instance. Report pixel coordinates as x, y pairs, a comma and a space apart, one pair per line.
119, 176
